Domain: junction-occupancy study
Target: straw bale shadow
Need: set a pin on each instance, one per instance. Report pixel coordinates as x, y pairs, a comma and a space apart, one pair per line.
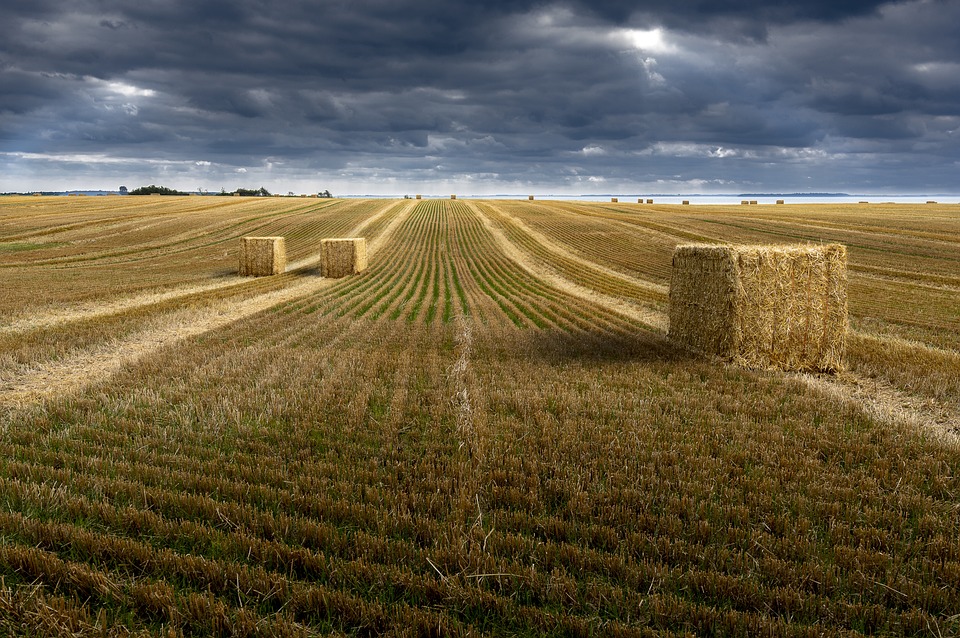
558, 346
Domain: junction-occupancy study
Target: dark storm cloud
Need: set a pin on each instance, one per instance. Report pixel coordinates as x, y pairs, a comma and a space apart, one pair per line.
531, 92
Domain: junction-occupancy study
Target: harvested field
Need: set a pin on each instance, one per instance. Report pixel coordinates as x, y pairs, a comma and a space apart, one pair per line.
487, 432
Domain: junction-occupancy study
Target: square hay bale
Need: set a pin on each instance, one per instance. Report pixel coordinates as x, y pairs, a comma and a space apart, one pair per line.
779, 307
780, 201
419, 196
753, 201
744, 202
686, 202
530, 198
453, 197
614, 200
262, 256
649, 201
931, 201
343, 256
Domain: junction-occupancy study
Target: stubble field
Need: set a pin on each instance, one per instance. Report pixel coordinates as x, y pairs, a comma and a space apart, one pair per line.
486, 432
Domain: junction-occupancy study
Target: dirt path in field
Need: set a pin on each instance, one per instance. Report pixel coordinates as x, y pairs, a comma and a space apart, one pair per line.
566, 253
644, 314
887, 404
92, 310
52, 379
66, 376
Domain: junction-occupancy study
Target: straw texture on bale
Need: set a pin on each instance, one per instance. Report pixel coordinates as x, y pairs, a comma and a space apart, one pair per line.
262, 256
649, 201
342, 257
779, 307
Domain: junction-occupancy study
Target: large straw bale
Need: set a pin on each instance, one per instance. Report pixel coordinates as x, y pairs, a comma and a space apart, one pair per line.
419, 196
780, 307
262, 256
453, 197
779, 201
530, 198
649, 201
685, 202
614, 200
343, 256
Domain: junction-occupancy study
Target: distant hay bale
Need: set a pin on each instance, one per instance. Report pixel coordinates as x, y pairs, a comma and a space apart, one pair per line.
453, 197
262, 256
686, 202
649, 201
930, 201
781, 307
343, 256
864, 202
530, 198
614, 200
419, 196
753, 202
744, 202
780, 201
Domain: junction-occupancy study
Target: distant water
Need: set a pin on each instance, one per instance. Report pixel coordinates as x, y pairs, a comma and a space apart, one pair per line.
715, 199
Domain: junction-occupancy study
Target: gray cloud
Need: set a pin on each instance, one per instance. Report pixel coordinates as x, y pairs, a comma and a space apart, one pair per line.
379, 94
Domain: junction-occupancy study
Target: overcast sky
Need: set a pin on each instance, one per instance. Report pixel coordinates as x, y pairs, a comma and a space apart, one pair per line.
437, 96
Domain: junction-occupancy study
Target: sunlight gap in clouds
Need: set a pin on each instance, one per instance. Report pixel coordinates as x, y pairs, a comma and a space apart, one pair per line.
651, 40
126, 90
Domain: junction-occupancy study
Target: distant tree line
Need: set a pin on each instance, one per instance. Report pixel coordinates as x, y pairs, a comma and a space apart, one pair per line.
247, 192
156, 190
153, 189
